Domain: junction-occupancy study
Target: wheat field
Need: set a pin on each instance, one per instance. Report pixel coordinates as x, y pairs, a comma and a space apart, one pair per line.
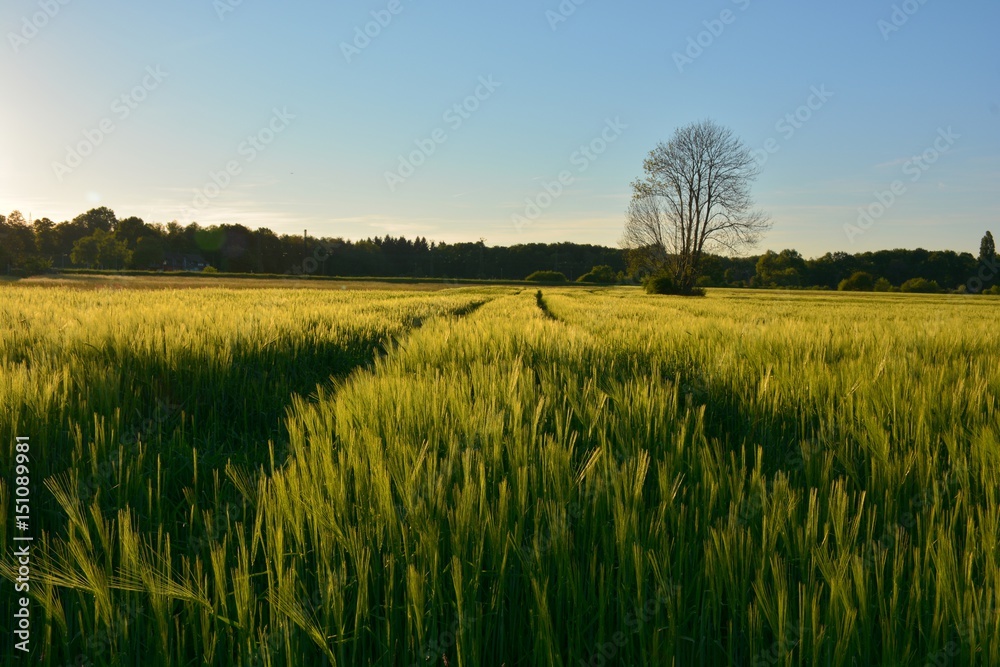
498, 476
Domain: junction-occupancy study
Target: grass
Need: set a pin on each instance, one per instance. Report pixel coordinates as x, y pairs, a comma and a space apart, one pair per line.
257, 280
487, 476
135, 281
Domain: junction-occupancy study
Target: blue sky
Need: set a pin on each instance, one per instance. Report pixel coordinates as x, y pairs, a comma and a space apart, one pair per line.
280, 115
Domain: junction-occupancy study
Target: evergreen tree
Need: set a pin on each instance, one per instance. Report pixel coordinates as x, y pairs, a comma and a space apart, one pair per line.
987, 249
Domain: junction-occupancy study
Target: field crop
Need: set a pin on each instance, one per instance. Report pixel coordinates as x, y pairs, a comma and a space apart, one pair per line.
496, 476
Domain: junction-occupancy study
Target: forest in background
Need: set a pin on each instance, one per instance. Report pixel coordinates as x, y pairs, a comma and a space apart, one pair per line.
98, 239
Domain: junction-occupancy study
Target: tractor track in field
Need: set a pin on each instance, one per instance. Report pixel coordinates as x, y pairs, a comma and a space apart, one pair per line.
469, 308
459, 313
544, 307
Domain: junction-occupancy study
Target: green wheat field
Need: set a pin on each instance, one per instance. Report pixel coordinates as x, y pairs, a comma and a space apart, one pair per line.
497, 476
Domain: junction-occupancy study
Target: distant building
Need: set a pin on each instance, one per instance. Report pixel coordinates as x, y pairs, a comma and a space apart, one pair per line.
175, 261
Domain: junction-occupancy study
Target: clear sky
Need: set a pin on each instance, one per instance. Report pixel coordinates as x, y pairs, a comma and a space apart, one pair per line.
144, 106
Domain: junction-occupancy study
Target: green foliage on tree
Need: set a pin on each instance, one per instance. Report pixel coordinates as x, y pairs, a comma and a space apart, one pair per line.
920, 286
860, 281
661, 284
665, 284
131, 230
101, 250
547, 277
28, 247
784, 269
987, 248
148, 253
17, 243
102, 218
46, 237
602, 274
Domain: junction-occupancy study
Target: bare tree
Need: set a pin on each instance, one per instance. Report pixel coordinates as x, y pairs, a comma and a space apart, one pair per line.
695, 198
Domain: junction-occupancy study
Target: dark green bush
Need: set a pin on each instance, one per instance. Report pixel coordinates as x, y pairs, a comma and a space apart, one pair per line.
546, 277
603, 275
664, 284
33, 266
660, 285
883, 285
860, 281
920, 286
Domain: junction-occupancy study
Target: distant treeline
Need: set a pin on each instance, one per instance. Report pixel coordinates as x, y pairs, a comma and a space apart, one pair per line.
97, 239
882, 270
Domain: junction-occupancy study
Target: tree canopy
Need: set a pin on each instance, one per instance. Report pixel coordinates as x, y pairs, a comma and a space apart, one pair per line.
130, 243
694, 199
